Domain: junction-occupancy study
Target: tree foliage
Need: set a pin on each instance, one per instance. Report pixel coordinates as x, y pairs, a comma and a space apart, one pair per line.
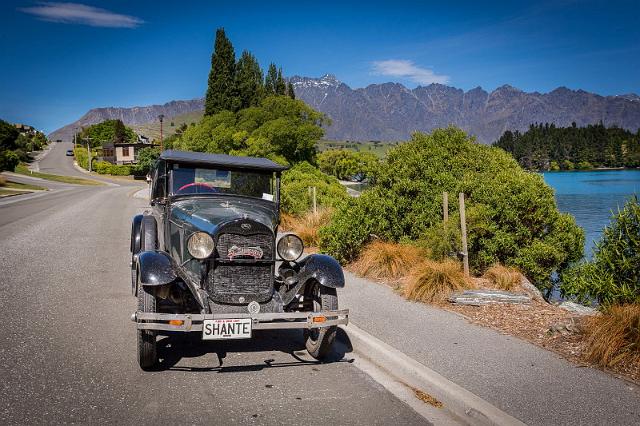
512, 216
15, 145
221, 89
296, 197
107, 132
249, 81
547, 147
347, 164
282, 129
613, 276
146, 158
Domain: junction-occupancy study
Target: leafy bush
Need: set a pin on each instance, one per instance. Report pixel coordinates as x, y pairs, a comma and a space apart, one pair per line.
282, 129
613, 276
101, 167
387, 261
614, 336
512, 216
8, 160
346, 164
295, 195
432, 281
146, 158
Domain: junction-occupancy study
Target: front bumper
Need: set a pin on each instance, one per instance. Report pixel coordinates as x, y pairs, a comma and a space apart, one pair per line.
264, 321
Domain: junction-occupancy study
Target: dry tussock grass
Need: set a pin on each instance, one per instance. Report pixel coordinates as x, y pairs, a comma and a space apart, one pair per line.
432, 281
387, 261
503, 278
614, 336
307, 225
3, 181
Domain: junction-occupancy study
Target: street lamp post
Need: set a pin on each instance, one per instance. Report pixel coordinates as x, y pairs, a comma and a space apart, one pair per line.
161, 117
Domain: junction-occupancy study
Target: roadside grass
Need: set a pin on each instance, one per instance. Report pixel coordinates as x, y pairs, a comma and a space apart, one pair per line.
387, 261
307, 225
432, 281
9, 193
24, 170
25, 186
503, 277
614, 336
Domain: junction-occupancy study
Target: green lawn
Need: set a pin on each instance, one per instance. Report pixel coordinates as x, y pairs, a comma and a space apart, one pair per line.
24, 170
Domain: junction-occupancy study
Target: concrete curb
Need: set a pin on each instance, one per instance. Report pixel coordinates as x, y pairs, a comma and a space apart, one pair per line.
467, 406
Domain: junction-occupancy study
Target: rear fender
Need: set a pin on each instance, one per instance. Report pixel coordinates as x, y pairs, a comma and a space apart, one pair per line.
323, 269
155, 268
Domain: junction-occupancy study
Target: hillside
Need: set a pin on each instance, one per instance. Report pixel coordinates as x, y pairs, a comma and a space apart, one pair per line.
129, 116
391, 112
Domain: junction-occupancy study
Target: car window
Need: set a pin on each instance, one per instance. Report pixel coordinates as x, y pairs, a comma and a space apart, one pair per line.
199, 180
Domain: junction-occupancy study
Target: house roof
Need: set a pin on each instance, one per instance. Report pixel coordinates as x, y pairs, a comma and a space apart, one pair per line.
223, 160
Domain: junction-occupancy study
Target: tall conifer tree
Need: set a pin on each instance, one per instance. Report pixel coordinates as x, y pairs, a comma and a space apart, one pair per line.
249, 81
290, 92
221, 90
281, 85
271, 80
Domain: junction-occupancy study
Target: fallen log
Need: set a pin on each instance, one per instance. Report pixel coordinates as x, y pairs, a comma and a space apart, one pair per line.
484, 297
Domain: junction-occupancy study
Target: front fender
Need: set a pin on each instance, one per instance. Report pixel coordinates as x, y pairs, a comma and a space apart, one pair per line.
155, 268
135, 233
322, 268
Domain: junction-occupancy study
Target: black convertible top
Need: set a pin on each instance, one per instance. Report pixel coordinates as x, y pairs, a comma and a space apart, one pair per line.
222, 160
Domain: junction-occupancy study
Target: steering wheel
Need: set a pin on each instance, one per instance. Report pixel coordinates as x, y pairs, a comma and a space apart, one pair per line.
202, 185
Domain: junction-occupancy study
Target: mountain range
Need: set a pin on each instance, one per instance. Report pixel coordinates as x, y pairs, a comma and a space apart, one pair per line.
391, 111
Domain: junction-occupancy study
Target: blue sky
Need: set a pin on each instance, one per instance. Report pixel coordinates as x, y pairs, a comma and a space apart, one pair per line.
61, 59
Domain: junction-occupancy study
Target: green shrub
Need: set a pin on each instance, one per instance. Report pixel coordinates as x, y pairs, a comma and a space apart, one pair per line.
346, 164
512, 216
102, 167
295, 189
8, 160
120, 170
613, 276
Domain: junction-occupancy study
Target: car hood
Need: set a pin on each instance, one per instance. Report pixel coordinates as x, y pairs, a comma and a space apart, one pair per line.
209, 213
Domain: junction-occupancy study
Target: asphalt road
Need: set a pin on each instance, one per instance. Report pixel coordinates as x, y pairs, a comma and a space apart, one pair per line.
68, 347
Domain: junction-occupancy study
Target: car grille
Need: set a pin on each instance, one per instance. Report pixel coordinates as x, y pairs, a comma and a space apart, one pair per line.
241, 282
226, 241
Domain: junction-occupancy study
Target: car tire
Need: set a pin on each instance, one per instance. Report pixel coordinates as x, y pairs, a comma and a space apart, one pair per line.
319, 341
147, 345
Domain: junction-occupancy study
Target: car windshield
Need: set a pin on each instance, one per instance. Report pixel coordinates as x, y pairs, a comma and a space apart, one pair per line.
196, 180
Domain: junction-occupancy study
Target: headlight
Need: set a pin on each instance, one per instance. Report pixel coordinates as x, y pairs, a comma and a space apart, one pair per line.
200, 245
290, 247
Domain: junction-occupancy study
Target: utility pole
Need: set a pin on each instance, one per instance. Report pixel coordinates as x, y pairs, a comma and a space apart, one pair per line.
463, 229
89, 151
161, 117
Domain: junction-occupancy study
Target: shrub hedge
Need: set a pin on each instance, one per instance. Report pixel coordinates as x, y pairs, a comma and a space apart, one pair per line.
296, 181
512, 217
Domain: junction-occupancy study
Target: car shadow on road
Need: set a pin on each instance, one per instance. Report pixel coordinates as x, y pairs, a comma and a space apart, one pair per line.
175, 347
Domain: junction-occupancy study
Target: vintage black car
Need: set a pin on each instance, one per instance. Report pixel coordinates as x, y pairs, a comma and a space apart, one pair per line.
208, 258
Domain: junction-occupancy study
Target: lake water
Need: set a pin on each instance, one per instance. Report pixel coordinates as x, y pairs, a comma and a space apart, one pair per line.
591, 197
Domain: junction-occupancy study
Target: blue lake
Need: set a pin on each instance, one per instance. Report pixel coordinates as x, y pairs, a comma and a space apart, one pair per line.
592, 196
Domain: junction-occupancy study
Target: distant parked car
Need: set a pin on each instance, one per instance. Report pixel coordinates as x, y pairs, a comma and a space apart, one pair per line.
69, 153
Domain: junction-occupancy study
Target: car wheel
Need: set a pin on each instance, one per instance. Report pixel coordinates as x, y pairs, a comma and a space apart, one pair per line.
319, 341
147, 350
147, 346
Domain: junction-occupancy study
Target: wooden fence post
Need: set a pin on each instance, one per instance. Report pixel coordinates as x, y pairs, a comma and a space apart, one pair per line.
463, 229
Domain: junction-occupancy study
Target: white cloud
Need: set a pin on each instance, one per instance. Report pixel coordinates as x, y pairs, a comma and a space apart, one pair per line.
76, 13
407, 69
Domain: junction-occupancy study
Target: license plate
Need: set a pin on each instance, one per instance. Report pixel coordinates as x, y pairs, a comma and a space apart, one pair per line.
218, 329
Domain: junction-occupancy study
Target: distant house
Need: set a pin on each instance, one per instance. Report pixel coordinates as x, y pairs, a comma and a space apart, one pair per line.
25, 129
123, 153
